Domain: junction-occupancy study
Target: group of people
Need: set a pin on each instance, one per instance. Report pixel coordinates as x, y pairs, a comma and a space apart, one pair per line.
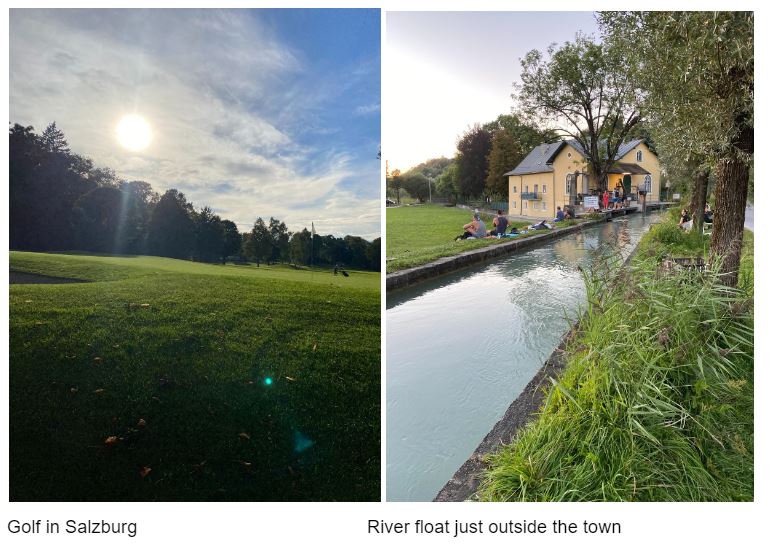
686, 221
476, 229
617, 198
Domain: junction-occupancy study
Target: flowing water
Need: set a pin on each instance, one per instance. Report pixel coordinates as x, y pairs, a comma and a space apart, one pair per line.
462, 347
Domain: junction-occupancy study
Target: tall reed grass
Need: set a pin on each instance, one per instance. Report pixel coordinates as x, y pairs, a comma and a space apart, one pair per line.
656, 401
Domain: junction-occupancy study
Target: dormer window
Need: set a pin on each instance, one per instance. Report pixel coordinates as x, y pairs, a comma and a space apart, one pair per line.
639, 156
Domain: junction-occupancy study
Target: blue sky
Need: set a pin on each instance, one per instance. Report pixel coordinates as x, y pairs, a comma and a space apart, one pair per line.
449, 70
253, 112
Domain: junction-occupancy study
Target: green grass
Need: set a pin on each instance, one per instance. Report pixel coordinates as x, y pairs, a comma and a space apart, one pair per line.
422, 234
656, 401
88, 362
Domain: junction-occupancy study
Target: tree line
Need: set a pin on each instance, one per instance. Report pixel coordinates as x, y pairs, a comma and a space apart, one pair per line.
484, 153
60, 200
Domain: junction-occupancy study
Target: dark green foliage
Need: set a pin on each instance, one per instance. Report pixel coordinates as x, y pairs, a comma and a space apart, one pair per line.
473, 148
416, 185
209, 236
172, 231
232, 242
259, 247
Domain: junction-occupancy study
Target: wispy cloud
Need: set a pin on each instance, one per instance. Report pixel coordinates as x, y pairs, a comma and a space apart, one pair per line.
367, 109
226, 96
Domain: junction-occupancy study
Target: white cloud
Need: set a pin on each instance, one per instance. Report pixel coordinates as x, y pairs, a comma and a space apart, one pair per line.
207, 82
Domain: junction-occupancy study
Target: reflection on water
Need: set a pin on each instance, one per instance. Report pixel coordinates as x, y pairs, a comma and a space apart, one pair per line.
460, 348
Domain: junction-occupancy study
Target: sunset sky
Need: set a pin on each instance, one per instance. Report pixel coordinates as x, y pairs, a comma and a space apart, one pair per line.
446, 71
253, 113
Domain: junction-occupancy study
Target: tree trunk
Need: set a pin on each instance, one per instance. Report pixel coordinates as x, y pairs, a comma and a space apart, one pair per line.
699, 198
732, 177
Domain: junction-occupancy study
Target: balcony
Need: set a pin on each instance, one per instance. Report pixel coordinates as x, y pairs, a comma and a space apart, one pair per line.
530, 196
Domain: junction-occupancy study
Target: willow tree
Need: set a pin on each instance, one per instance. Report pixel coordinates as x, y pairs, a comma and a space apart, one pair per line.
582, 90
695, 72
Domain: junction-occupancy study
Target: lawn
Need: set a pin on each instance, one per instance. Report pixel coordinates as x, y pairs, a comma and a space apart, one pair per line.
656, 400
171, 380
421, 234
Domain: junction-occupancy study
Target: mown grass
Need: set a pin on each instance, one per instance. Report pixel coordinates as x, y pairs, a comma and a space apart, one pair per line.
164, 365
422, 234
656, 401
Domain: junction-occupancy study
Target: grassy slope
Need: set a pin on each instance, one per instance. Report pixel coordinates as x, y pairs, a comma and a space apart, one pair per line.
85, 365
418, 235
656, 402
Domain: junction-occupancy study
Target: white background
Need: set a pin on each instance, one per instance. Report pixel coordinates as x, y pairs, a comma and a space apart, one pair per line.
346, 523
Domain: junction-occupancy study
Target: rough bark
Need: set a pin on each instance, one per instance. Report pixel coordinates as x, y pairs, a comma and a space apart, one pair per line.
699, 198
732, 178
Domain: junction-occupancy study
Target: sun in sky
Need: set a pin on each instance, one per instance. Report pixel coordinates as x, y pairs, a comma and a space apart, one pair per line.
134, 133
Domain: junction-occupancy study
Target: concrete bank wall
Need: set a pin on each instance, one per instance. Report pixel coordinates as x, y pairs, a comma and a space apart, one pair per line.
407, 277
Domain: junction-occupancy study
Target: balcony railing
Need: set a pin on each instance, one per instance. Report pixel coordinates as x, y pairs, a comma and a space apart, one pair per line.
530, 196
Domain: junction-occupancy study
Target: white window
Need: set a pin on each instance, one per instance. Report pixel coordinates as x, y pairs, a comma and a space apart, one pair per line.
513, 189
647, 183
639, 156
544, 205
513, 204
524, 204
544, 188
527, 188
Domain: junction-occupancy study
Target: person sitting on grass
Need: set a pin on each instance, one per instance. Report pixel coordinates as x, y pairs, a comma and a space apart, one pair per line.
570, 214
560, 215
474, 229
500, 222
707, 214
685, 220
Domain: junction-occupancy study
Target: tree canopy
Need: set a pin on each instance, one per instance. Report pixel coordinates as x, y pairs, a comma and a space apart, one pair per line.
582, 89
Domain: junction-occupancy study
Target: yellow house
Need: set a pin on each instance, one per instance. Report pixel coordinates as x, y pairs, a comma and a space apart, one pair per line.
555, 175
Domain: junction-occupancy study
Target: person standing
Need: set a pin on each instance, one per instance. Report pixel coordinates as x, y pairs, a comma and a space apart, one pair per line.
605, 199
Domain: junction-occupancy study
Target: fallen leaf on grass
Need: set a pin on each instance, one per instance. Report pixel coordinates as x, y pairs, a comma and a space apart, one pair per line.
145, 471
111, 440
73, 390
27, 301
314, 347
244, 436
98, 391
39, 322
290, 378
98, 359
145, 305
116, 346
141, 423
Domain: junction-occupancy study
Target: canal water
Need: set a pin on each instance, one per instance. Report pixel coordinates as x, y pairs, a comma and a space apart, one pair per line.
462, 347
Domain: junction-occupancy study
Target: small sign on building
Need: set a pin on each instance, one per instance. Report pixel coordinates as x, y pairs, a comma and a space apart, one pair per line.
591, 202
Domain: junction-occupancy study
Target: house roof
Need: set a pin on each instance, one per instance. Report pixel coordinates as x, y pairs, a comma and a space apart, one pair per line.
623, 149
627, 168
540, 159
